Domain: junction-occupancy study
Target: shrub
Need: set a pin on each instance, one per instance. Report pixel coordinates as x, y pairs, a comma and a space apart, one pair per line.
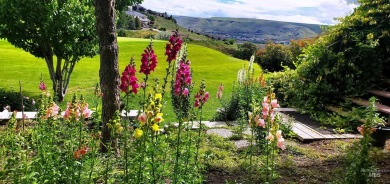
247, 91
274, 57
163, 35
122, 33
245, 51
13, 100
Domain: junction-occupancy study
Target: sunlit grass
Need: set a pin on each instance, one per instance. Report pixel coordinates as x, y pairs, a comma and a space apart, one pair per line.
210, 65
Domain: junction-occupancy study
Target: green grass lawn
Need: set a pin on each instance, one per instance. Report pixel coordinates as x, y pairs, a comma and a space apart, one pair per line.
210, 65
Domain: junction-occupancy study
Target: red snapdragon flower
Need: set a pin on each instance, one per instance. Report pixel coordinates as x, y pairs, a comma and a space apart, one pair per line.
173, 47
148, 60
128, 79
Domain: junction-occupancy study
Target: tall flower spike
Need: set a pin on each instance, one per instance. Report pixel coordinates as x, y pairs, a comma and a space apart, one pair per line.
173, 47
128, 79
202, 96
183, 78
148, 60
42, 85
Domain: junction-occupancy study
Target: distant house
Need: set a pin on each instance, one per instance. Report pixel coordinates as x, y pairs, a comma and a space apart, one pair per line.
144, 19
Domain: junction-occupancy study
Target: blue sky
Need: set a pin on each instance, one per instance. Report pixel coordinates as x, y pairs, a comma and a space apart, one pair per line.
303, 11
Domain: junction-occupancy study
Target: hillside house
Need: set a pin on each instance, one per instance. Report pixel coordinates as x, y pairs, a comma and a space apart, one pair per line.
144, 19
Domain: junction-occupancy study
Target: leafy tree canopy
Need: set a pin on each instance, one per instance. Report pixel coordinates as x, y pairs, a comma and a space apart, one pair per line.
351, 57
62, 28
122, 4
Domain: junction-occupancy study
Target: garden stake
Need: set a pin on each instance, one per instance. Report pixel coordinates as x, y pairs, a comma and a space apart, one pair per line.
21, 96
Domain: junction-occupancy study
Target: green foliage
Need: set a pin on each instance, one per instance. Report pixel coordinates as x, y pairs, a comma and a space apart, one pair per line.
122, 33
125, 21
349, 59
359, 162
151, 17
245, 51
13, 100
121, 5
163, 35
352, 56
274, 57
247, 90
138, 23
65, 29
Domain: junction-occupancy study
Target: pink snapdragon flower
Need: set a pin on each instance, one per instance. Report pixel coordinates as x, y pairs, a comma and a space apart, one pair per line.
261, 123
142, 118
185, 92
77, 111
86, 112
173, 47
128, 79
183, 78
274, 103
281, 144
201, 98
52, 111
148, 60
42, 86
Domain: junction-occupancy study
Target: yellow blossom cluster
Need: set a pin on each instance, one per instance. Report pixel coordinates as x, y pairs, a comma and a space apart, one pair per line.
152, 116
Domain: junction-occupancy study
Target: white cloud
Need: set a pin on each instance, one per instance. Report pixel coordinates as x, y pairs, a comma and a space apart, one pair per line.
304, 11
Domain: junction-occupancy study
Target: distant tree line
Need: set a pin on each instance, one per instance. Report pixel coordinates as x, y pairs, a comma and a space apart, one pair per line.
274, 57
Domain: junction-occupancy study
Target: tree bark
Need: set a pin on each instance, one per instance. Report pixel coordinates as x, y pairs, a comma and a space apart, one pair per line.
109, 74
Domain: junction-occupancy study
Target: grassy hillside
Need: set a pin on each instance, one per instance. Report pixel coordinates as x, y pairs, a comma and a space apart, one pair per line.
254, 30
191, 37
208, 64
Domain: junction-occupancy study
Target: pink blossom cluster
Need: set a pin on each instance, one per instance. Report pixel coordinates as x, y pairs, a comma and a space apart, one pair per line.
183, 79
173, 47
279, 139
148, 60
201, 98
219, 92
128, 79
77, 111
268, 114
268, 108
256, 120
42, 86
52, 111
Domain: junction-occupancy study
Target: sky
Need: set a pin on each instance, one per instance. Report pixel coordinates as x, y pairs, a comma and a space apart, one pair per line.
302, 11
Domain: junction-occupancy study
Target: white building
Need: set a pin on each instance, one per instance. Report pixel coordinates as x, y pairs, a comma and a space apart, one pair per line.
144, 19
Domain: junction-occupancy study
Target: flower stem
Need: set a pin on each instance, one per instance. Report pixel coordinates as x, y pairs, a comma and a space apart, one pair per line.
176, 171
199, 135
125, 140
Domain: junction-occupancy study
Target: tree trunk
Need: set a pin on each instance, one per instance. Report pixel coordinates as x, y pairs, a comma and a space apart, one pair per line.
109, 74
59, 87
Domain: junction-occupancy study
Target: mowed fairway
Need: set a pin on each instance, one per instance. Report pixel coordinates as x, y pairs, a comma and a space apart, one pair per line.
212, 66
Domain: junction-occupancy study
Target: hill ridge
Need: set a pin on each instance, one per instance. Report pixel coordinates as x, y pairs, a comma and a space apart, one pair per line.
249, 29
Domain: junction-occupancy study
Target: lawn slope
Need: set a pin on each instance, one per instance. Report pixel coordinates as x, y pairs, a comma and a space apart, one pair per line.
210, 65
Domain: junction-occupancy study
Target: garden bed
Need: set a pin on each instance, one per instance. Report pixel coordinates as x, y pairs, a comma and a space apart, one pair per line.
315, 162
